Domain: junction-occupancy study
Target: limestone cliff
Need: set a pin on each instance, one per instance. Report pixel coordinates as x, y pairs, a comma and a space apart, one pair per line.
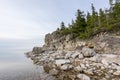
60, 42
67, 58
101, 43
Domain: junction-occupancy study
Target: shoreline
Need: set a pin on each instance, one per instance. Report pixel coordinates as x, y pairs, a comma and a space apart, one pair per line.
96, 59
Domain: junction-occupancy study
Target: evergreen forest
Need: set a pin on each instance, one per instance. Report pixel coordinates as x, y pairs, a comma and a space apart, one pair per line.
89, 24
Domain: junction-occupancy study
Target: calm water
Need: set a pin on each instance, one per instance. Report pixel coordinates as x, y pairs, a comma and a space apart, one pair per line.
13, 63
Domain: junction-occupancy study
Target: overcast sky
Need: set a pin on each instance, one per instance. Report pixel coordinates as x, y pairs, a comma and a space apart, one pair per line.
25, 19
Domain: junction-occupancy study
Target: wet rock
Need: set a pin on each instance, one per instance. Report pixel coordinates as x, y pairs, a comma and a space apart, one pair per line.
44, 76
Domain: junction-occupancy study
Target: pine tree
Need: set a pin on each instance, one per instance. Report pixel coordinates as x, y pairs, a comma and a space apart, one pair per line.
116, 11
89, 23
62, 26
88, 19
94, 23
80, 22
102, 19
80, 25
94, 20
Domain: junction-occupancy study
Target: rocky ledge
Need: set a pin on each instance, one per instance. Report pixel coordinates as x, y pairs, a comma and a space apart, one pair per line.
79, 60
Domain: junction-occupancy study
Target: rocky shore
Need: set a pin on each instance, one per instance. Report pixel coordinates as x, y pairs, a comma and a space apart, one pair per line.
67, 59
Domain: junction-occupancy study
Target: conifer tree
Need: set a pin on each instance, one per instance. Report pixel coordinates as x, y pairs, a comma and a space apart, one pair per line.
102, 19
93, 24
89, 23
80, 22
116, 11
88, 19
94, 20
62, 26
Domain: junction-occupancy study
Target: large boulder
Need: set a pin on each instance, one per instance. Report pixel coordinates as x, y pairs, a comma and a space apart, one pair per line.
87, 52
37, 50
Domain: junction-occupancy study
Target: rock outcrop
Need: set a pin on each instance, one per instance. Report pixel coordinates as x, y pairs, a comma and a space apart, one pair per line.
72, 59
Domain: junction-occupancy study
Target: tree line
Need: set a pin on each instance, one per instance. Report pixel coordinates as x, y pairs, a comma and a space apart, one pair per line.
90, 24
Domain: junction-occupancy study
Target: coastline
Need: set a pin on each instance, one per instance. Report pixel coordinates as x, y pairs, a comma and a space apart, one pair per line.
79, 60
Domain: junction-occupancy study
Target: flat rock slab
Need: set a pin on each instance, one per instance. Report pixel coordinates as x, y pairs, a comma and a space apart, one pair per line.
61, 62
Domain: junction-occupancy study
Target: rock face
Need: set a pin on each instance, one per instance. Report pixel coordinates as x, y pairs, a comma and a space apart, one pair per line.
68, 59
107, 43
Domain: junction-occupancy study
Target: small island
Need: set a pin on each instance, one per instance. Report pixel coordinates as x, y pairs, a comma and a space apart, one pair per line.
86, 49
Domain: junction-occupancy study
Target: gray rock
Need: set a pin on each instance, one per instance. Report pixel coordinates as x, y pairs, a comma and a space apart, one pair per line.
117, 73
105, 62
87, 52
61, 62
89, 71
83, 77
68, 55
78, 69
44, 76
83, 66
96, 58
29, 54
66, 67
37, 50
80, 56
75, 55
53, 72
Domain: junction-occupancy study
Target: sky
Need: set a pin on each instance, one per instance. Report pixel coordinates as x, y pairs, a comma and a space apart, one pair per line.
27, 19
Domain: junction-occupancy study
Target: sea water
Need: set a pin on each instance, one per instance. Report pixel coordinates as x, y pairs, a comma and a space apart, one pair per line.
13, 63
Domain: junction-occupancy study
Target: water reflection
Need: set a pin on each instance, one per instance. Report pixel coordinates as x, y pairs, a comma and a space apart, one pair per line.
13, 63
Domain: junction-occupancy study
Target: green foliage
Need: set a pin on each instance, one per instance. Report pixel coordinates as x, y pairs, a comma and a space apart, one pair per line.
80, 24
62, 26
65, 31
84, 27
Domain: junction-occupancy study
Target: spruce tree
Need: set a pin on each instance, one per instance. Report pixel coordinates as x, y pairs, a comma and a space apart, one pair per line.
89, 24
102, 19
80, 22
62, 26
94, 20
